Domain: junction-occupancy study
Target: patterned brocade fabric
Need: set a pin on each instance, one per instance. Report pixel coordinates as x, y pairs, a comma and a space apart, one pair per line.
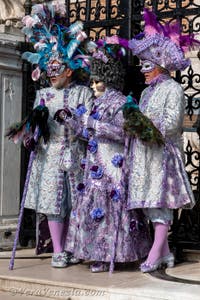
157, 175
43, 189
101, 228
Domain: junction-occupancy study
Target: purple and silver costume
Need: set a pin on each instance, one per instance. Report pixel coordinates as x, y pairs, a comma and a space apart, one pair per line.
101, 228
52, 189
157, 177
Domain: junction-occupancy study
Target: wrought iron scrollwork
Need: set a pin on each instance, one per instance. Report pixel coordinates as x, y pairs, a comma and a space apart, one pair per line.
98, 11
77, 11
100, 17
191, 82
192, 164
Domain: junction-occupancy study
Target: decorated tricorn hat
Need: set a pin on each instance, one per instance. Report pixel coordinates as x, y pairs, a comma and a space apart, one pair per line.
163, 45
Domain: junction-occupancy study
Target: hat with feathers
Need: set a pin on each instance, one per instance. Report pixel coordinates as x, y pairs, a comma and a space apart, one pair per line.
106, 64
52, 40
162, 44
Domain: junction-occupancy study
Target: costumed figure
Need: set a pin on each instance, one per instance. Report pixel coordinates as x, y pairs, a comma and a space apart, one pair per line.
158, 182
50, 186
101, 230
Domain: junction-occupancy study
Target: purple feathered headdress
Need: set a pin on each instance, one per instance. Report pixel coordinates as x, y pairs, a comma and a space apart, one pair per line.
162, 44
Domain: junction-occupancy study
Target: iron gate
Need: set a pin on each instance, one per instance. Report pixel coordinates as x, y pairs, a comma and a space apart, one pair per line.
123, 17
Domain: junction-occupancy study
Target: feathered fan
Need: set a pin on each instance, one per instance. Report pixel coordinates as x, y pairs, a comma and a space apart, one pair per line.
138, 125
26, 128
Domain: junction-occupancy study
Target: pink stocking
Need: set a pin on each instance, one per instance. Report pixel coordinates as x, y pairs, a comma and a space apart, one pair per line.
165, 248
160, 245
56, 231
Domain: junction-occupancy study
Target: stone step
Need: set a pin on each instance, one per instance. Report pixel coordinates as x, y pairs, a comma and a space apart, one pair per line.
34, 277
191, 255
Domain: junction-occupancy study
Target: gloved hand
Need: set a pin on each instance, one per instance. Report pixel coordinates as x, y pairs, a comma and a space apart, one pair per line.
62, 115
29, 143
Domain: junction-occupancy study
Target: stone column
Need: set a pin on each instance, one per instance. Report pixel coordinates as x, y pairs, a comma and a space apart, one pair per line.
10, 112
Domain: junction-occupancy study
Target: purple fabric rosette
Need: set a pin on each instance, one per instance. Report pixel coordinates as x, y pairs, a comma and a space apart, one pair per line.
80, 110
100, 55
115, 195
97, 214
85, 133
117, 160
92, 146
49, 96
73, 214
95, 114
80, 187
96, 172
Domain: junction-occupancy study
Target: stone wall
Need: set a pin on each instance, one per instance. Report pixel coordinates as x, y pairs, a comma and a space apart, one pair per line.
10, 111
11, 13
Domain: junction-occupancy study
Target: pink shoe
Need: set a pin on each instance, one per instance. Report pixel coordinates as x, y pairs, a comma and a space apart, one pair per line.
98, 267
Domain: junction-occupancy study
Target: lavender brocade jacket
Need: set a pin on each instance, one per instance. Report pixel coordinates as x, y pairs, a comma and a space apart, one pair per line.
46, 186
157, 175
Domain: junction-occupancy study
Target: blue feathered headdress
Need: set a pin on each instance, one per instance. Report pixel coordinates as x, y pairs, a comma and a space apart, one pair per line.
52, 40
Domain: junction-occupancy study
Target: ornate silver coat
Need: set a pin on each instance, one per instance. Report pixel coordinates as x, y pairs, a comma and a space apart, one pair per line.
46, 185
157, 176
